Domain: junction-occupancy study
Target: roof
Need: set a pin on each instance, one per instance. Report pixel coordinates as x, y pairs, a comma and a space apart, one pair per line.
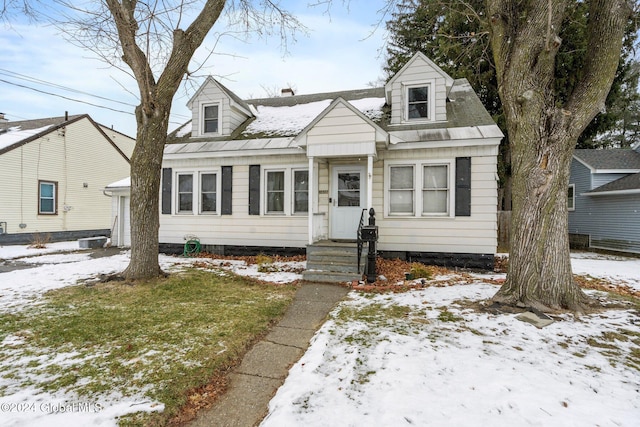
609, 160
286, 117
628, 183
14, 134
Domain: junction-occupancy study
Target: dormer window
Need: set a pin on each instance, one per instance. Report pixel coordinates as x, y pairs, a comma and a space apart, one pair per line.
420, 102
211, 118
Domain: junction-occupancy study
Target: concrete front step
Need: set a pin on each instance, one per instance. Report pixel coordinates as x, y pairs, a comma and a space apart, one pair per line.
330, 262
341, 266
318, 276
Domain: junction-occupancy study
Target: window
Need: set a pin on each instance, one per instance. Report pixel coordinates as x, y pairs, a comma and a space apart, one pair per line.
47, 198
300, 191
418, 102
571, 197
401, 190
435, 189
211, 119
208, 193
275, 192
185, 193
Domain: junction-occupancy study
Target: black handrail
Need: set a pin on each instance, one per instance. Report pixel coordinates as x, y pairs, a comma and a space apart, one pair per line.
359, 237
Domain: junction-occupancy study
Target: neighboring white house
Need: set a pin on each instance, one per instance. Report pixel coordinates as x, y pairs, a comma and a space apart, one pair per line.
53, 173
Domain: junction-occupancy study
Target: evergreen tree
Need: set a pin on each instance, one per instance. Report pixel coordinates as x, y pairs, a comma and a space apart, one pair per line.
455, 35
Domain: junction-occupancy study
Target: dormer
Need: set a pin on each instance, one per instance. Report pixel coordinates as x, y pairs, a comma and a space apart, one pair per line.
216, 111
418, 92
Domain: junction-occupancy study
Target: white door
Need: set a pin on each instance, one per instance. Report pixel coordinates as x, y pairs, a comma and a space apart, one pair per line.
347, 200
124, 239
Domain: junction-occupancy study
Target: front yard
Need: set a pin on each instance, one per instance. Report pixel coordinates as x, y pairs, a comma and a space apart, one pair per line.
77, 352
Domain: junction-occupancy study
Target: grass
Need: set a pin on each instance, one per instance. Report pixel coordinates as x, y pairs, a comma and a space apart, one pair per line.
159, 339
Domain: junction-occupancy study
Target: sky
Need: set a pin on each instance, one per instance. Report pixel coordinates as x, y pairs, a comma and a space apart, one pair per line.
43, 75
470, 368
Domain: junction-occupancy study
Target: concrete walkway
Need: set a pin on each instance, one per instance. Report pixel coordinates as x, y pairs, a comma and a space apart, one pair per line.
265, 367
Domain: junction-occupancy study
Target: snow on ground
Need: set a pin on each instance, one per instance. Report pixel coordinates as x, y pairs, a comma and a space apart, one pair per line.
468, 368
20, 251
429, 366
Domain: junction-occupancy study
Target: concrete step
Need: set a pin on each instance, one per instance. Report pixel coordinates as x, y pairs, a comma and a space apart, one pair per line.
329, 276
341, 265
332, 262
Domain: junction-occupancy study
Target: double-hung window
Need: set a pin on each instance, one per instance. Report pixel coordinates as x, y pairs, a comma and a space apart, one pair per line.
275, 191
417, 189
47, 198
418, 102
435, 190
208, 193
185, 193
401, 190
300, 191
211, 118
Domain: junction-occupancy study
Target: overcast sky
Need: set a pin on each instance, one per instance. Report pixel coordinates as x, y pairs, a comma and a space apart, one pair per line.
342, 50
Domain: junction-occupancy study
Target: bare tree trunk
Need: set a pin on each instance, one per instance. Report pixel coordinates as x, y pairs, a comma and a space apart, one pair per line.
543, 131
146, 165
152, 117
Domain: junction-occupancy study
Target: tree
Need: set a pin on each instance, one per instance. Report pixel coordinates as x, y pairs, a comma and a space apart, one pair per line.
544, 125
148, 37
455, 34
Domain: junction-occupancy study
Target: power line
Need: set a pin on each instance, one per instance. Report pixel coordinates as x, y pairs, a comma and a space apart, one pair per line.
34, 80
66, 97
13, 74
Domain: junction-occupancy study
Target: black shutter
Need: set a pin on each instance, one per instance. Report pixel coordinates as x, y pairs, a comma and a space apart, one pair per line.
463, 186
166, 190
254, 190
227, 184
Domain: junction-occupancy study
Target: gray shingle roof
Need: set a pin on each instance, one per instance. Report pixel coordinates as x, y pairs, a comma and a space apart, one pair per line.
629, 182
610, 159
464, 110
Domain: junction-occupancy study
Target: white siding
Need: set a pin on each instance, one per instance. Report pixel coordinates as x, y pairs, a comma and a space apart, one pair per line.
474, 234
240, 228
418, 72
78, 156
341, 133
125, 143
209, 94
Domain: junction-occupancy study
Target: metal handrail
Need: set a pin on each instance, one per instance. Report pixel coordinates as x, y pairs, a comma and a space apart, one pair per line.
359, 240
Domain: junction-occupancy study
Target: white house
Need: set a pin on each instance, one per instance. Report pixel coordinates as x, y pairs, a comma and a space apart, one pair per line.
294, 173
53, 173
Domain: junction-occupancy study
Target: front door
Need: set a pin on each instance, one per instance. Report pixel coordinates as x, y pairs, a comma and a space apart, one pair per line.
347, 200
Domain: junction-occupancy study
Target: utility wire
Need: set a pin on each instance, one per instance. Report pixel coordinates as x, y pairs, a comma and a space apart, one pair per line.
46, 83
66, 97
34, 80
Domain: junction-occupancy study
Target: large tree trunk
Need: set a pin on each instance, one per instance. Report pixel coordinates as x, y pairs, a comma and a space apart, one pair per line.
146, 165
543, 131
152, 117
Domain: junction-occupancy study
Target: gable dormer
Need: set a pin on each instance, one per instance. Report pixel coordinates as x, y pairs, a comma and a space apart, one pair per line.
418, 92
216, 111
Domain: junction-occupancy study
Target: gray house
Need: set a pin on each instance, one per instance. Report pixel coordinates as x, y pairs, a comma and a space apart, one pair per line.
604, 199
